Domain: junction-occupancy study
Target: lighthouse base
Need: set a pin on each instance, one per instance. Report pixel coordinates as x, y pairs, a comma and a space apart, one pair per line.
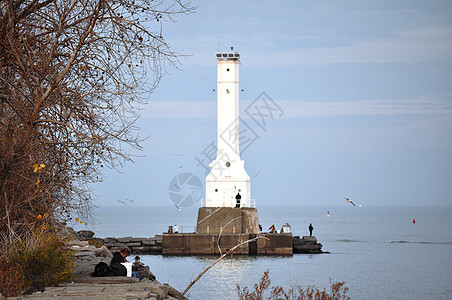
227, 220
210, 244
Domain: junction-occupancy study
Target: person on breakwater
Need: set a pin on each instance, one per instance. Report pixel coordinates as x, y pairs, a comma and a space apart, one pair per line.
272, 229
310, 229
120, 257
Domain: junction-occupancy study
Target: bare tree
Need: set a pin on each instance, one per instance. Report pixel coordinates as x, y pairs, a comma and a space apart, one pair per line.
73, 74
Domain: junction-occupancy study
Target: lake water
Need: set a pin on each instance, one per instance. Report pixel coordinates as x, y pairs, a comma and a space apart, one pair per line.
378, 252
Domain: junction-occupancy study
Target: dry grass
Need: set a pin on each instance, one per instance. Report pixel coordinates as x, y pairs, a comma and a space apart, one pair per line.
337, 291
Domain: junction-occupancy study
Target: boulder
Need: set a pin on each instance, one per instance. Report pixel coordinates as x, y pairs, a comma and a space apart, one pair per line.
103, 252
309, 239
85, 234
306, 245
148, 242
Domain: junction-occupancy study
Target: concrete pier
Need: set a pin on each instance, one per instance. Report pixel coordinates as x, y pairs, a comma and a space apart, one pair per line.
207, 244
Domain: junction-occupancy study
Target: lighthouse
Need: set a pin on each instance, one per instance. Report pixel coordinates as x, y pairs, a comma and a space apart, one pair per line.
228, 184
228, 208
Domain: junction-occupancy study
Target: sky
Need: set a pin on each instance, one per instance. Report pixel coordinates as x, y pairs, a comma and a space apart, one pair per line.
361, 93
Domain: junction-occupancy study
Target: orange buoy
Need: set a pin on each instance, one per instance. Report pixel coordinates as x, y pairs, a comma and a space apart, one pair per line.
414, 221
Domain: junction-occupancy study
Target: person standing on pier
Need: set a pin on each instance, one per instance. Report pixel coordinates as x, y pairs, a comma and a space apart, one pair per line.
237, 200
310, 229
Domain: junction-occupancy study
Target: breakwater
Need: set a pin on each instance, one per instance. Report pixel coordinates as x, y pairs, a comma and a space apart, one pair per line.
208, 244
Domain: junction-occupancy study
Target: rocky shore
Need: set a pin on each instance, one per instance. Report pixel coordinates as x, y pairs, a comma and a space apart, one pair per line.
82, 286
89, 251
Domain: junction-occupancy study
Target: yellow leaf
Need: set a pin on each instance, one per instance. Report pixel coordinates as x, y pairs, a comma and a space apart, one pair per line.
35, 166
39, 217
81, 222
42, 166
38, 181
76, 219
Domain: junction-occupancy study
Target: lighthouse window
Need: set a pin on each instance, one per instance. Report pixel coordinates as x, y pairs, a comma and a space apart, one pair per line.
228, 164
216, 190
227, 69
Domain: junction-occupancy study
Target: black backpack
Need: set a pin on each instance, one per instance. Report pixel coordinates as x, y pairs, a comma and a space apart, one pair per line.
101, 270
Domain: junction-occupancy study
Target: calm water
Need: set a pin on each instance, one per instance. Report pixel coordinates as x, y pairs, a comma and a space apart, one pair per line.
378, 252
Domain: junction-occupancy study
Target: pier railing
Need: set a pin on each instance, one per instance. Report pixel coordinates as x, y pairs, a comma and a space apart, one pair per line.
250, 203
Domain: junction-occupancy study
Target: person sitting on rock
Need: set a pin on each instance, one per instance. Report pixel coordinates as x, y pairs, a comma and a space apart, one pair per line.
120, 257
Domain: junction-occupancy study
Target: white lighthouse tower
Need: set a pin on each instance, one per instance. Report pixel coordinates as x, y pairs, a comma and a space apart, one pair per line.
228, 208
228, 184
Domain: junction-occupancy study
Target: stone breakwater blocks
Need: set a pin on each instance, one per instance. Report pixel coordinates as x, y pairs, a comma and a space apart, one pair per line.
309, 239
125, 239
307, 245
137, 245
149, 242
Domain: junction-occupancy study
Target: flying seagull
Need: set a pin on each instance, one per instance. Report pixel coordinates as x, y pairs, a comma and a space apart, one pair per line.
178, 208
348, 200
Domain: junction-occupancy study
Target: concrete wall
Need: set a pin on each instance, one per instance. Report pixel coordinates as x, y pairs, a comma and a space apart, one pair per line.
212, 219
202, 244
275, 244
206, 244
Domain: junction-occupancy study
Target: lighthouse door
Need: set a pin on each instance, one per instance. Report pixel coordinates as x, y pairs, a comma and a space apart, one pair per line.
228, 198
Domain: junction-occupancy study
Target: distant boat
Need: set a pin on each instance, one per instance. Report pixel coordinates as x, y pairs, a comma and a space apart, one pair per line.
328, 214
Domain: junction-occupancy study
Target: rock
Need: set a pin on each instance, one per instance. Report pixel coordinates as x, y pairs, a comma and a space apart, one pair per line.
148, 242
144, 271
175, 293
311, 239
306, 245
110, 240
76, 242
103, 252
85, 234
141, 249
158, 293
125, 239
86, 255
134, 244
137, 239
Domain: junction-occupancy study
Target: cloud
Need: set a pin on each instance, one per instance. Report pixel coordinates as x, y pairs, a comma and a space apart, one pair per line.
294, 109
427, 45
174, 109
419, 106
415, 46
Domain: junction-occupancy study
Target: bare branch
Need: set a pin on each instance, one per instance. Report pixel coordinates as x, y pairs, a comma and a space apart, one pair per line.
230, 251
